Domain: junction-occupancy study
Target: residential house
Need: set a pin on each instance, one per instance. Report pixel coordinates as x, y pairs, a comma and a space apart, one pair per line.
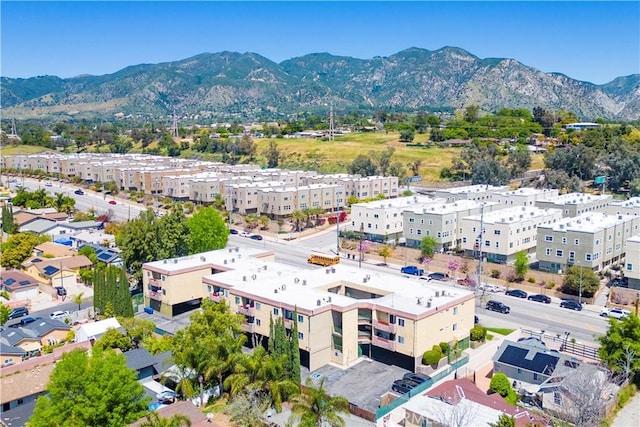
592, 240
22, 338
19, 285
10, 354
106, 255
187, 409
278, 201
174, 286
56, 250
344, 313
57, 271
530, 361
92, 237
94, 330
44, 226
22, 389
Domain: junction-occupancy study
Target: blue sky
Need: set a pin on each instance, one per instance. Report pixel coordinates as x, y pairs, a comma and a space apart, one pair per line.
591, 41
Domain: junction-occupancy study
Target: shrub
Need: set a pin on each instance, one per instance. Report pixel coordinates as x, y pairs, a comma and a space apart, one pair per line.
433, 356
500, 384
445, 347
495, 274
511, 277
478, 333
550, 285
531, 280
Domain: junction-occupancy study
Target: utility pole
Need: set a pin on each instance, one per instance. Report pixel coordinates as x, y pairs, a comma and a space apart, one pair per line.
331, 124
338, 232
580, 287
360, 246
479, 284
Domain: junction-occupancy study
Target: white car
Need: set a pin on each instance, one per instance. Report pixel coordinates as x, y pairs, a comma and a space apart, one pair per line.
616, 313
57, 315
244, 234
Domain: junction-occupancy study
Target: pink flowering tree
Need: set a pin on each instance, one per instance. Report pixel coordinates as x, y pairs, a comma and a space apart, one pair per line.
452, 266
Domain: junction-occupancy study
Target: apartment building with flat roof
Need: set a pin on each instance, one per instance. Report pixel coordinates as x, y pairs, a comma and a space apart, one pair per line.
623, 207
361, 187
478, 193
344, 313
592, 240
632, 262
381, 220
574, 204
505, 231
524, 196
281, 201
441, 220
174, 286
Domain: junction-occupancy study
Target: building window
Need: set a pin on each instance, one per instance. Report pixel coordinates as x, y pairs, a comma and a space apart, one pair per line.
300, 318
548, 238
257, 305
258, 322
587, 257
536, 376
276, 312
576, 242
557, 400
455, 326
629, 266
455, 310
237, 300
300, 336
564, 240
559, 253
496, 232
400, 322
400, 340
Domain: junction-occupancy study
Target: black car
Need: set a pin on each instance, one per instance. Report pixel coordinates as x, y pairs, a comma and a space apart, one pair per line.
256, 237
18, 312
570, 304
498, 306
61, 291
25, 321
437, 276
233, 231
403, 386
416, 378
516, 293
540, 298
78, 192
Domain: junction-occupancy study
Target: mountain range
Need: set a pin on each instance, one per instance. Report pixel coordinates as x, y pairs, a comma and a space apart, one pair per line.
251, 86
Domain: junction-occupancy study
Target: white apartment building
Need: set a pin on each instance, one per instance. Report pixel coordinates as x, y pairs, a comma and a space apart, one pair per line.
574, 204
479, 193
441, 220
524, 196
632, 262
592, 240
361, 187
623, 207
344, 313
281, 201
506, 231
381, 220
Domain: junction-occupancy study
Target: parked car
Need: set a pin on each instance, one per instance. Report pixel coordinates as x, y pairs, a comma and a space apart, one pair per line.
233, 231
244, 234
57, 315
516, 293
256, 237
476, 320
26, 320
79, 192
571, 304
622, 282
438, 276
497, 306
413, 270
540, 298
403, 386
18, 312
416, 378
48, 184
61, 291
112, 202
167, 396
616, 313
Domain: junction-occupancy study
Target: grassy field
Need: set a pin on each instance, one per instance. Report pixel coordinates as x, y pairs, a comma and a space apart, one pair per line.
12, 150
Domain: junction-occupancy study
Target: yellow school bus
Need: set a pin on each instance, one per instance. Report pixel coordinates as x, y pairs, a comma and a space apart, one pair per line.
323, 259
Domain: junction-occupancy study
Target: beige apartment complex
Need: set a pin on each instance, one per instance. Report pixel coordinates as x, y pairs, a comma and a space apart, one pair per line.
441, 220
574, 204
344, 313
624, 207
281, 201
381, 220
505, 231
359, 186
592, 240
174, 286
524, 196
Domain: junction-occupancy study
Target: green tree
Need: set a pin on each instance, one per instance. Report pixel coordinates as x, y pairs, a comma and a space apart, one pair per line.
504, 421
471, 113
521, 264
620, 346
113, 338
385, 252
174, 234
575, 276
208, 231
18, 248
8, 224
90, 253
500, 384
295, 351
139, 242
428, 246
4, 314
78, 299
363, 165
152, 419
273, 155
91, 391
315, 408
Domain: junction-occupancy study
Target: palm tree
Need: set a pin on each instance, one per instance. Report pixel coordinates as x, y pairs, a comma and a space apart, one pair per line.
154, 420
78, 299
315, 408
297, 216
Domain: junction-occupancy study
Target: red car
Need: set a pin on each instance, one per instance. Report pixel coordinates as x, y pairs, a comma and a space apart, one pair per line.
112, 202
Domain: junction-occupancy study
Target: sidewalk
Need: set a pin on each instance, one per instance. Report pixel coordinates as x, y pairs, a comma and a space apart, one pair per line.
629, 415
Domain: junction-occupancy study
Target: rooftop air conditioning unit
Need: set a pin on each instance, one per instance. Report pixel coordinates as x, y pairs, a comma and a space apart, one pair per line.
428, 304
225, 262
328, 270
333, 270
238, 249
437, 293
244, 278
364, 280
275, 291
253, 276
164, 261
296, 280
233, 260
304, 282
329, 299
318, 303
368, 277
230, 250
264, 267
203, 259
283, 287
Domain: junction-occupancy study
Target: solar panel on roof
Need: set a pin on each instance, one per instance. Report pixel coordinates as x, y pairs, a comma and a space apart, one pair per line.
10, 281
25, 282
49, 270
104, 256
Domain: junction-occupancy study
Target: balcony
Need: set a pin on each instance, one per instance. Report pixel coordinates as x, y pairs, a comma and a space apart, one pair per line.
364, 336
288, 323
249, 327
364, 319
384, 326
155, 295
216, 296
384, 343
247, 310
155, 282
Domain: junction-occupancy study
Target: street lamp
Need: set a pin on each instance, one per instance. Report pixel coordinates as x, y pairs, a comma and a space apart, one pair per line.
201, 380
360, 246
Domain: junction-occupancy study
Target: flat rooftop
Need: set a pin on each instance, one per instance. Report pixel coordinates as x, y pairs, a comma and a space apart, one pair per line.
515, 214
230, 256
339, 285
578, 198
589, 222
480, 188
441, 207
400, 202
